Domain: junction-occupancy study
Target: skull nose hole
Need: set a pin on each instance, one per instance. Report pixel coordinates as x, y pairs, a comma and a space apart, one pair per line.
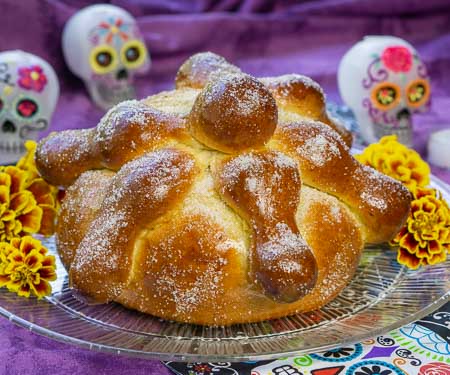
122, 74
8, 126
404, 113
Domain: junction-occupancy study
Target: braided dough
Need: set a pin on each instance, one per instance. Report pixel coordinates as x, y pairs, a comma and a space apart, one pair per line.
230, 199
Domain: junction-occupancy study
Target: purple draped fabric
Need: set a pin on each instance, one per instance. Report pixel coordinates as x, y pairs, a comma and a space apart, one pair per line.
264, 38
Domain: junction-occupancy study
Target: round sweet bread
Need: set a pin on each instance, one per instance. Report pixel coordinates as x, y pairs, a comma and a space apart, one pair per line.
228, 200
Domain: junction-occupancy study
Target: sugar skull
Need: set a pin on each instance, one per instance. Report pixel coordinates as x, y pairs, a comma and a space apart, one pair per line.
102, 45
384, 81
29, 90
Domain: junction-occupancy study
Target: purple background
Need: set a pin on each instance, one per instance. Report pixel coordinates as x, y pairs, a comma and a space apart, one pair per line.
263, 38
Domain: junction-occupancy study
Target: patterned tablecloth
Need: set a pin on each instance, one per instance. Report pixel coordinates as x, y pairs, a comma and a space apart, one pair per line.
420, 348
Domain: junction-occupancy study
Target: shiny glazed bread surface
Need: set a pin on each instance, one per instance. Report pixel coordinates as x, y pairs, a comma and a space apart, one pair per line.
230, 199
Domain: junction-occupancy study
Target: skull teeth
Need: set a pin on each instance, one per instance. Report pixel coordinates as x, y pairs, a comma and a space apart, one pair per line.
14, 147
403, 133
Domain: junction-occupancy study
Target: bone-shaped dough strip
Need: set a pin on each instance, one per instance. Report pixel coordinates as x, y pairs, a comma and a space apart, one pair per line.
127, 131
380, 202
264, 187
140, 192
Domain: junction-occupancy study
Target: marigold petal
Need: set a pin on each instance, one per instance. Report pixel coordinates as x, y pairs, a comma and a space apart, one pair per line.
5, 179
19, 178
28, 244
4, 195
409, 243
27, 162
434, 247
4, 280
48, 220
406, 258
47, 273
33, 261
429, 206
41, 289
41, 191
437, 258
31, 222
422, 252
23, 290
22, 202
8, 215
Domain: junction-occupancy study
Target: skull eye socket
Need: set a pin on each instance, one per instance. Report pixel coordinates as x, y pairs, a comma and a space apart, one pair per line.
418, 92
385, 96
133, 54
103, 59
27, 108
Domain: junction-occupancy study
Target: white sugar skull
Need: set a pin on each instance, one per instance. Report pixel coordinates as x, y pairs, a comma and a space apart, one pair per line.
384, 81
29, 90
102, 45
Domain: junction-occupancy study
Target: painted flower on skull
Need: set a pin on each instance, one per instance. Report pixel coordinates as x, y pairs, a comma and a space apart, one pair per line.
113, 29
397, 58
435, 368
32, 78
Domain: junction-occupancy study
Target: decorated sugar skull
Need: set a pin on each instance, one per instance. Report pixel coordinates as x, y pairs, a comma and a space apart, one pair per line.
102, 45
384, 81
29, 91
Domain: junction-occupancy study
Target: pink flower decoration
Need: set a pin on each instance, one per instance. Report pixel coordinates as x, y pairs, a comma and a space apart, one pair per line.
32, 78
397, 58
435, 368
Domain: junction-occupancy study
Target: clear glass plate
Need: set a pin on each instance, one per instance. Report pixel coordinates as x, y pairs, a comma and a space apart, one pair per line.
382, 296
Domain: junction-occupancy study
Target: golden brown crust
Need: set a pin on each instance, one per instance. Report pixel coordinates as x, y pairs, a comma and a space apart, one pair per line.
63, 156
301, 95
380, 202
232, 113
196, 70
78, 209
280, 259
140, 192
205, 282
269, 219
126, 132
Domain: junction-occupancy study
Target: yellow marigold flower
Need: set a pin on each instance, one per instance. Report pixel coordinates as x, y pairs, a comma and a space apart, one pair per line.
425, 238
24, 181
19, 210
25, 267
26, 163
390, 157
46, 195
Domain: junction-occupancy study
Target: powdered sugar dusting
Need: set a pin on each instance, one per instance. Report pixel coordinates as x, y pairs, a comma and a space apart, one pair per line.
97, 247
253, 169
286, 83
243, 95
283, 242
374, 201
106, 126
319, 150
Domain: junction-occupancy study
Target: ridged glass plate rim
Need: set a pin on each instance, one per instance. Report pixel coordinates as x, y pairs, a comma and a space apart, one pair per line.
170, 342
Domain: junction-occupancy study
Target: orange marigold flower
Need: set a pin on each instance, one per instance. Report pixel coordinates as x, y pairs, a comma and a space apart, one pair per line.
46, 195
25, 267
31, 205
390, 157
26, 162
425, 237
19, 210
